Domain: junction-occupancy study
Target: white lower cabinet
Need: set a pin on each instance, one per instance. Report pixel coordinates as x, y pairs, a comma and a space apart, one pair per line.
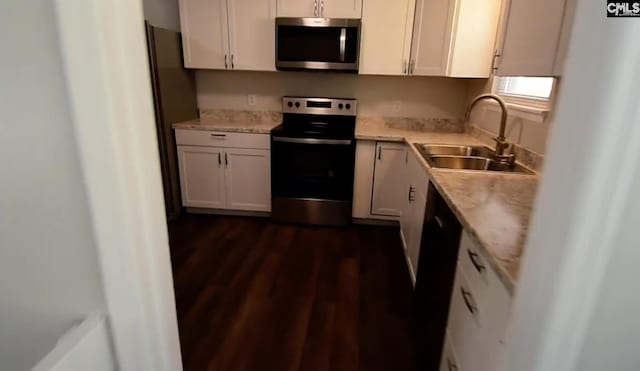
388, 199
201, 176
412, 219
449, 361
479, 312
247, 179
215, 174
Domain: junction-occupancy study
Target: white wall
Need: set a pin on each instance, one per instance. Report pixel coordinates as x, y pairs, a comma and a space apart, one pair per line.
162, 13
49, 276
531, 134
377, 95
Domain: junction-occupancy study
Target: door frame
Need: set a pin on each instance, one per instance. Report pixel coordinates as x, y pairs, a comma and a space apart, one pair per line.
582, 253
109, 87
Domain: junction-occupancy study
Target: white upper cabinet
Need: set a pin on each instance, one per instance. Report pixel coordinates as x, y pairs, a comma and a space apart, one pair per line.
388, 199
341, 8
229, 34
297, 8
385, 45
533, 38
204, 33
320, 8
252, 34
454, 38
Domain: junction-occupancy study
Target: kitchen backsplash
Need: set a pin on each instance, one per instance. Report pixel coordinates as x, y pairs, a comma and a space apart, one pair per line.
389, 96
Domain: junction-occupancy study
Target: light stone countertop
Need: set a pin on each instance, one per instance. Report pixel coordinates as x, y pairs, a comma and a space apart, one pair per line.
494, 208
257, 122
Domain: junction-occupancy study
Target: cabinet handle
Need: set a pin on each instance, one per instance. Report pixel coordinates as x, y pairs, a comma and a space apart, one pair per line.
451, 366
218, 135
232, 64
404, 67
379, 153
474, 260
315, 8
466, 295
226, 159
225, 62
409, 195
322, 8
411, 65
219, 159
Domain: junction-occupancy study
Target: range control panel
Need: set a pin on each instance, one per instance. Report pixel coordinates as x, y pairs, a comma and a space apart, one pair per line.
319, 106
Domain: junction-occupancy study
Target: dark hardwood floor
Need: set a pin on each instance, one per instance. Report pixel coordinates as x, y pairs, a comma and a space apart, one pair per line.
257, 296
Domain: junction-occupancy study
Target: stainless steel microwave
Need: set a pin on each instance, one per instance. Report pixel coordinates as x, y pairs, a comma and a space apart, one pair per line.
317, 44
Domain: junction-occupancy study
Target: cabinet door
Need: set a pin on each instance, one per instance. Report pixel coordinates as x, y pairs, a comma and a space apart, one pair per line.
432, 37
251, 34
386, 37
528, 49
248, 179
201, 176
341, 8
204, 33
388, 198
297, 8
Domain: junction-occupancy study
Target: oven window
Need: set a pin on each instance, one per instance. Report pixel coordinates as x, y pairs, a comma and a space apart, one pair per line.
314, 171
316, 44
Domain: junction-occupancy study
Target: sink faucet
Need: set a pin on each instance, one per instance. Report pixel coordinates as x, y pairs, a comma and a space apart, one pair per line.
501, 141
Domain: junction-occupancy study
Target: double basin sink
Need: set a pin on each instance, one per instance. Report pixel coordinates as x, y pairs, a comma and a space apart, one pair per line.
466, 158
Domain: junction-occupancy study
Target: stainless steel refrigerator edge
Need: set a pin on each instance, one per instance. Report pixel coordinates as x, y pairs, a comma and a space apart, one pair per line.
174, 95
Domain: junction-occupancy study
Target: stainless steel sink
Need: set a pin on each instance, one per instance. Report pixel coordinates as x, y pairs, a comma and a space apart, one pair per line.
466, 158
460, 162
453, 150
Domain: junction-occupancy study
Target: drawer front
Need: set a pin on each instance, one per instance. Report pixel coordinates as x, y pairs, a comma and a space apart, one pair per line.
487, 288
474, 264
222, 139
465, 324
449, 361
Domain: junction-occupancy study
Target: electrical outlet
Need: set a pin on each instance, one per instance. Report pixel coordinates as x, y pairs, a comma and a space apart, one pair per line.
397, 105
251, 99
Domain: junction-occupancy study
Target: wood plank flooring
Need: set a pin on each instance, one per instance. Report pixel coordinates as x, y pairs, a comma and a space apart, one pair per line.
257, 296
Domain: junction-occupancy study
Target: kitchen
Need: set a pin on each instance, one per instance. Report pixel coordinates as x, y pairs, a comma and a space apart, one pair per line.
93, 275
403, 149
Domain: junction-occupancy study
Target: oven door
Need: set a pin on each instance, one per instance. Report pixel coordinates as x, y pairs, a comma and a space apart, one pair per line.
312, 169
317, 43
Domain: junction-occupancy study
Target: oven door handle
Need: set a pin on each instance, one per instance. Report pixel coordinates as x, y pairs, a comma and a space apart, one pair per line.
343, 43
332, 142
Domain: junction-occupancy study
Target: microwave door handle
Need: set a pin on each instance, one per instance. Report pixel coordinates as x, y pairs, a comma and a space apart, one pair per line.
343, 43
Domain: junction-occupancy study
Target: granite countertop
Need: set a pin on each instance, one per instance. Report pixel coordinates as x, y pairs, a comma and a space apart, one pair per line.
494, 208
257, 122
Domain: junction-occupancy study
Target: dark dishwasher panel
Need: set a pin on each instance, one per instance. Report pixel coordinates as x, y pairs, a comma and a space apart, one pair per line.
436, 272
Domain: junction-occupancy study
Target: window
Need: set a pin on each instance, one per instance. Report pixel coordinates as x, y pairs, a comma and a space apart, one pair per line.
525, 92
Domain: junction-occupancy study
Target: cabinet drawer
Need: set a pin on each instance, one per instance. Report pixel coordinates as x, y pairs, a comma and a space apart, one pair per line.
449, 361
465, 324
487, 288
222, 139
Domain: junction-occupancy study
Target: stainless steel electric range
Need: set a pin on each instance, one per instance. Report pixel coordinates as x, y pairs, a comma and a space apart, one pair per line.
312, 161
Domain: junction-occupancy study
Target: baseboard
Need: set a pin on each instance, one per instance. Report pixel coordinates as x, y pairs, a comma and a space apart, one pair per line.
199, 210
383, 223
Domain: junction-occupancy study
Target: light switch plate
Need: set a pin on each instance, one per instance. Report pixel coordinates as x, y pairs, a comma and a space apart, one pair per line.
251, 99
